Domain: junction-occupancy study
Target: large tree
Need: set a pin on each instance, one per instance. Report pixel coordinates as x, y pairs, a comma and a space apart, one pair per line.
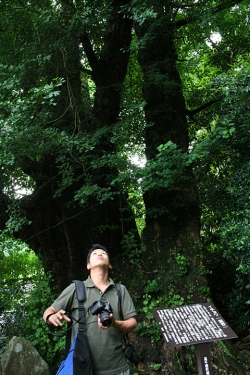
71, 111
76, 132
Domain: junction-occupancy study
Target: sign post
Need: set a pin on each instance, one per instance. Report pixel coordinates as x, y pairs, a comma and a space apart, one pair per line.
204, 359
194, 325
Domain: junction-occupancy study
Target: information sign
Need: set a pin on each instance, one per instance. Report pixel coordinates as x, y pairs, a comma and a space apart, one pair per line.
192, 324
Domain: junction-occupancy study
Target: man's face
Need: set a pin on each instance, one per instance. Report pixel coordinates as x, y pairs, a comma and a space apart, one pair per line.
98, 258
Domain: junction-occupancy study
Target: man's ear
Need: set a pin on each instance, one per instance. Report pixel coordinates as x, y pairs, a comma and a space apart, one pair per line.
110, 266
88, 266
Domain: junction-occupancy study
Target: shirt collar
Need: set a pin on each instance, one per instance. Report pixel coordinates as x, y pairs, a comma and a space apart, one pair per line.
89, 283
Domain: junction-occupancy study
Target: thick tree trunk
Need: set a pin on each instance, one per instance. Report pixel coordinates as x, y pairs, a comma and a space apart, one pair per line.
172, 212
172, 233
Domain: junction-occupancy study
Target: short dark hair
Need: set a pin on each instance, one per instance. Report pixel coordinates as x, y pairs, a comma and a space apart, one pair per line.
94, 247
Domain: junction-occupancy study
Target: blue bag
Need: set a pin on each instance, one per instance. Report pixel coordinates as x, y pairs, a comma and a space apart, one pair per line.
66, 366
78, 360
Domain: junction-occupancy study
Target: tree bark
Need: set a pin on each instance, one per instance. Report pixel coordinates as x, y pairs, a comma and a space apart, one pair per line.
172, 212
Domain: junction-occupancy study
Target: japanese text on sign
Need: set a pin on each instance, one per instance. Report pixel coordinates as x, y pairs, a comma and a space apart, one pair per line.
192, 324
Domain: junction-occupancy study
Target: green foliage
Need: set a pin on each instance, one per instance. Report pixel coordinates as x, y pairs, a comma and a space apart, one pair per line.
224, 191
166, 169
155, 366
18, 267
23, 132
50, 347
140, 11
16, 218
25, 294
136, 201
133, 252
182, 261
154, 298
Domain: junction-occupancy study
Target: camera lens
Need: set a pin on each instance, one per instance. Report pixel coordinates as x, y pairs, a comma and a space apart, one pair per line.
105, 319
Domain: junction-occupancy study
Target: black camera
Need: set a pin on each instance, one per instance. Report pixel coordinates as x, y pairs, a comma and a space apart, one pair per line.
104, 309
130, 353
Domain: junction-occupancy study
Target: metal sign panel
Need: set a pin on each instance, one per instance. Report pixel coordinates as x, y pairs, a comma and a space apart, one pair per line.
192, 324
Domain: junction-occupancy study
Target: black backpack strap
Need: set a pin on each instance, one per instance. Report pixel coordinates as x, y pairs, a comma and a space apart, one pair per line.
81, 297
118, 289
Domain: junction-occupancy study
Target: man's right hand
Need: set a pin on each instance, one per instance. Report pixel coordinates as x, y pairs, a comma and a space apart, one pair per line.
57, 317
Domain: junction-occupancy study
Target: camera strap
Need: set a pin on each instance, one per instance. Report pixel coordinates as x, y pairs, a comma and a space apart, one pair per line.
70, 324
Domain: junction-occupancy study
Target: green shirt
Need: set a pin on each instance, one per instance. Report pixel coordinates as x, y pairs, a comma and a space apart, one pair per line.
105, 345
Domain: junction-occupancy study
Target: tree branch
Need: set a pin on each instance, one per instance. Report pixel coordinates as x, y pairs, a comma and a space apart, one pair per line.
191, 113
91, 56
218, 8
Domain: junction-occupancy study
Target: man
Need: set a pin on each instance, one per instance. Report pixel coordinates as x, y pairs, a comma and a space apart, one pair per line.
105, 341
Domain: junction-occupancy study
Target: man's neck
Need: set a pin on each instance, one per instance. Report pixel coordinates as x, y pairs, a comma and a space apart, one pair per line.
100, 278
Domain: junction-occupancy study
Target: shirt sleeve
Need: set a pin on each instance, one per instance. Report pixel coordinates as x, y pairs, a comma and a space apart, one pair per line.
127, 305
66, 300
